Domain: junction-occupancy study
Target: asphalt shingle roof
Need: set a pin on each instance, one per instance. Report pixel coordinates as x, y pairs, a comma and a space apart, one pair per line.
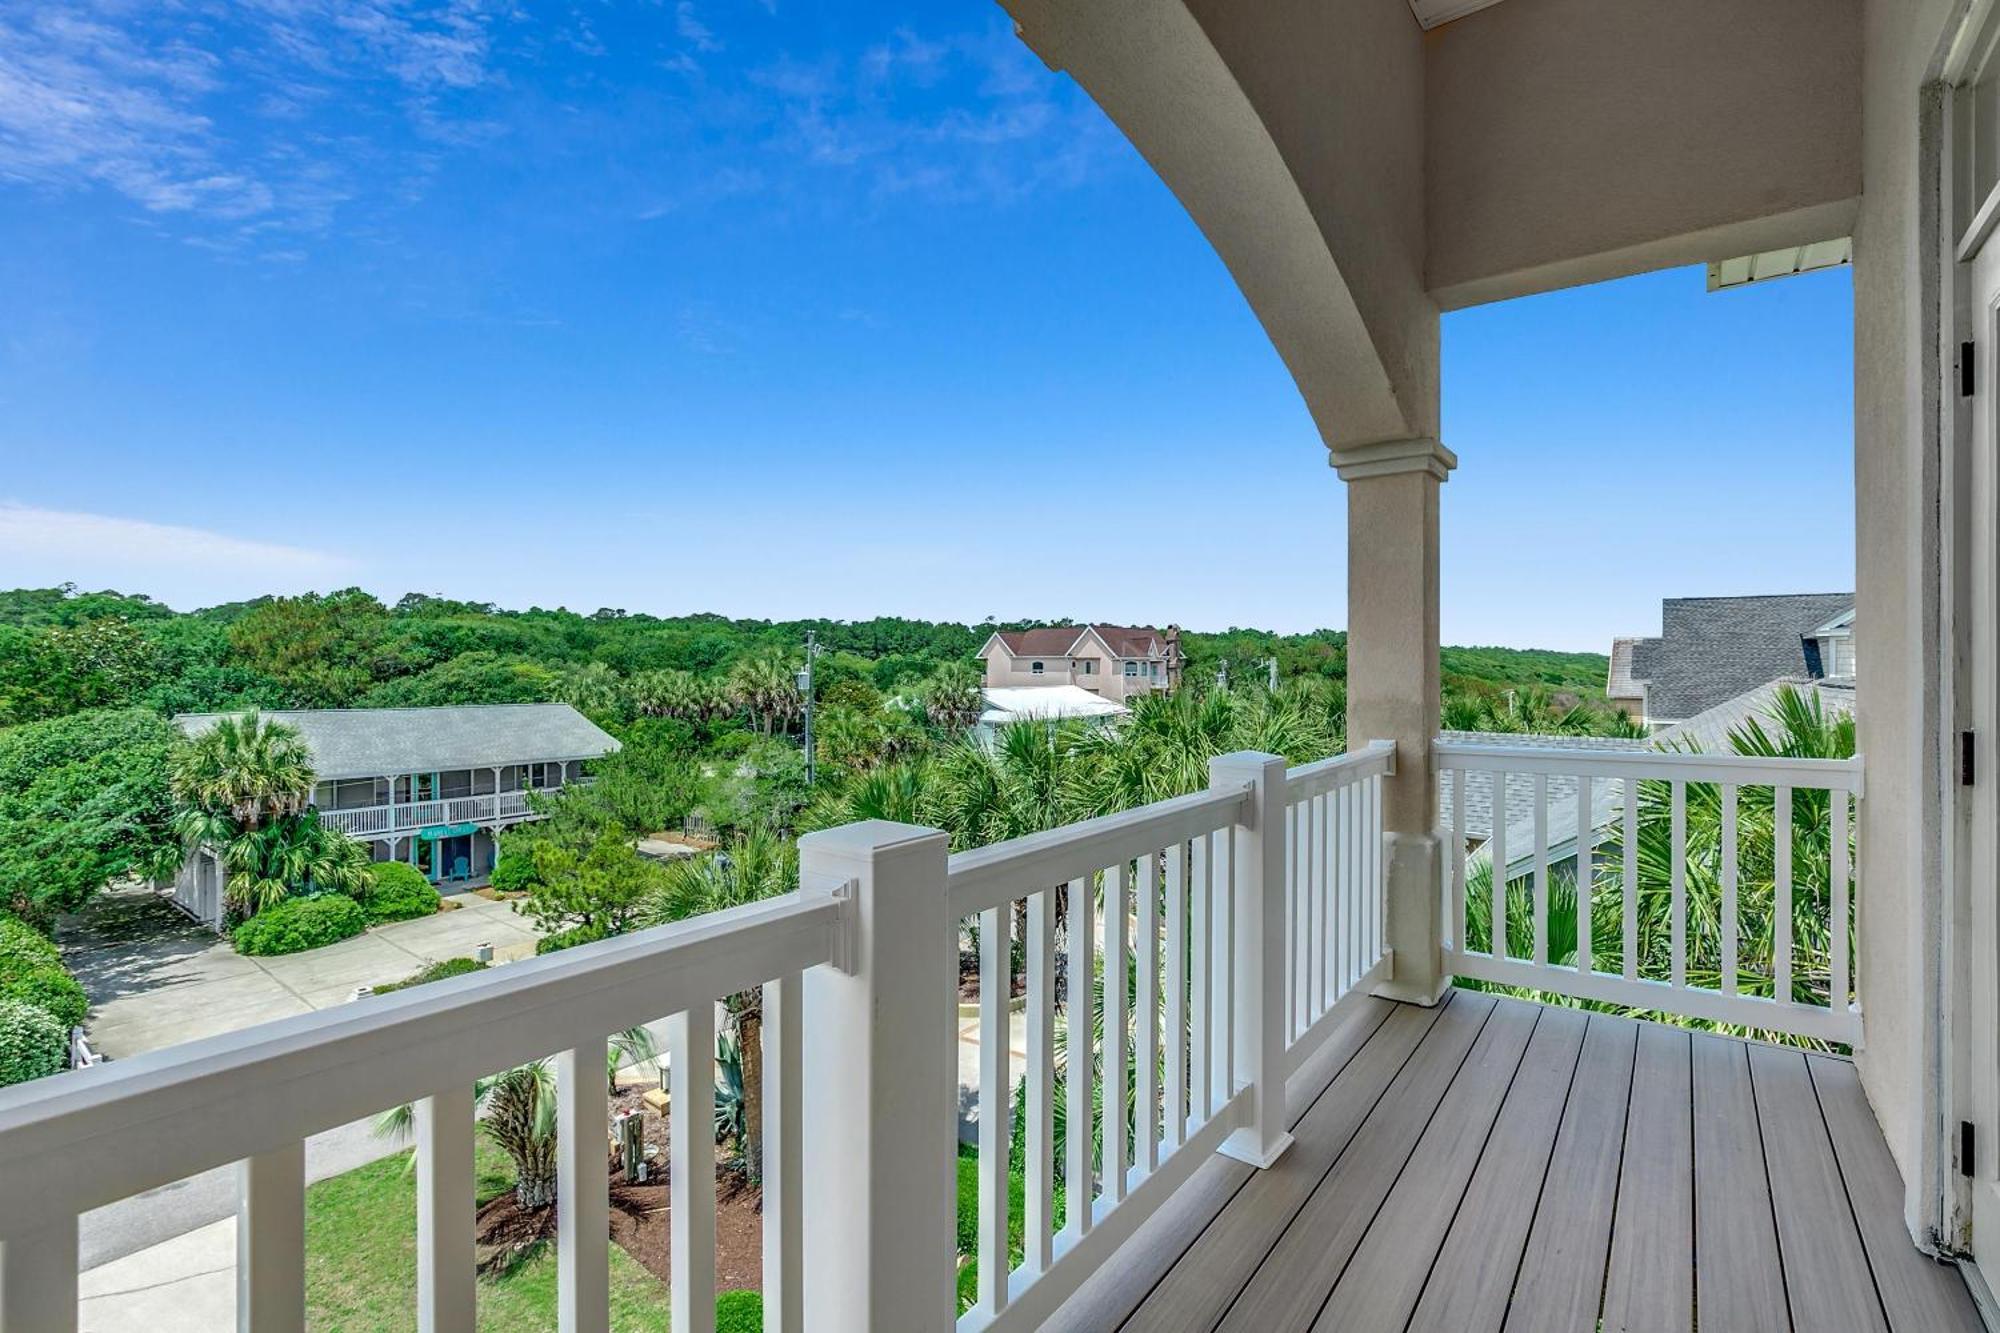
1520, 801
374, 742
1713, 649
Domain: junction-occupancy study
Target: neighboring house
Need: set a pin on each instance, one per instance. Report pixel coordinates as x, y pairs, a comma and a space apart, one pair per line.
1114, 662
1043, 703
430, 786
1713, 649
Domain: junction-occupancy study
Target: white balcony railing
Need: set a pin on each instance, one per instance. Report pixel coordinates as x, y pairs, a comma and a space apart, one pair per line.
1235, 927
380, 820
1627, 821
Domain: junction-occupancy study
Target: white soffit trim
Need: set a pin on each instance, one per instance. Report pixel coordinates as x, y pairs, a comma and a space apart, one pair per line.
1430, 13
1748, 269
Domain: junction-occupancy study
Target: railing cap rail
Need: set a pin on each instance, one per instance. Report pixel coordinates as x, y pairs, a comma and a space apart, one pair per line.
1742, 769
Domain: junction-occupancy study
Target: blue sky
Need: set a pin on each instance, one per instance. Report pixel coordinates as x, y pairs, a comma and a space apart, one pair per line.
778, 308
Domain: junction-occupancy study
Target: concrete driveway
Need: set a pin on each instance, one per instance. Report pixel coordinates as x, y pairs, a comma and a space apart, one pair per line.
156, 979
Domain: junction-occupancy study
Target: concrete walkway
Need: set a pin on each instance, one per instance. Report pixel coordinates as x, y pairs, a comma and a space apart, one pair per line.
156, 979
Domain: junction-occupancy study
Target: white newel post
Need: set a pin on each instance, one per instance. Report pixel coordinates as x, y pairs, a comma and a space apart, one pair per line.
1257, 886
881, 1091
1393, 685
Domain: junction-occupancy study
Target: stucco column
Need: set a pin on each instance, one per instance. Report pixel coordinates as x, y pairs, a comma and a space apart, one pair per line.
1392, 681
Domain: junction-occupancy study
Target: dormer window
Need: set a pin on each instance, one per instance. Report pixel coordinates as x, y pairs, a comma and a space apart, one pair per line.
1034, 668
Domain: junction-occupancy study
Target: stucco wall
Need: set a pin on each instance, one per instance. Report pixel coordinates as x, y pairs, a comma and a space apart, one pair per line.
1895, 602
1574, 140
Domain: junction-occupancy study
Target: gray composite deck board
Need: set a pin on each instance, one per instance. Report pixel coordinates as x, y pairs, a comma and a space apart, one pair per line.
1917, 1292
1288, 1288
1493, 1164
1196, 1291
1649, 1285
1739, 1276
1559, 1284
1827, 1282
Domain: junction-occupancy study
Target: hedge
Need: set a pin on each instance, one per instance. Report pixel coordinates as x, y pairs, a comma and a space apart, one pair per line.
300, 923
398, 891
32, 1043
32, 971
450, 967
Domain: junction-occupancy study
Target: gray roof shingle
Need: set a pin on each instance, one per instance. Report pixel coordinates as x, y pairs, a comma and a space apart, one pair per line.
374, 742
1713, 649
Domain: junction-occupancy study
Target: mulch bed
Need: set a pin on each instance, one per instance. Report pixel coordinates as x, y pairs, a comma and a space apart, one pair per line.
640, 1216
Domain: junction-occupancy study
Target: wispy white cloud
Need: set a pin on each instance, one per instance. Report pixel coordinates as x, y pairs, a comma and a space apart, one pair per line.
692, 30
186, 113
102, 542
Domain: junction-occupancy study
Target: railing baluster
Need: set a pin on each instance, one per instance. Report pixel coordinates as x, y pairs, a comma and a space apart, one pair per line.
995, 1087
1355, 891
1177, 994
1630, 897
1079, 1134
1378, 903
38, 1278
1837, 850
271, 1239
1323, 969
783, 1200
1299, 923
1497, 855
1222, 971
1730, 915
1781, 911
1038, 1226
445, 1202
583, 1206
691, 1175
1678, 887
1541, 869
1586, 857
1201, 994
1456, 853
1148, 1088
1116, 880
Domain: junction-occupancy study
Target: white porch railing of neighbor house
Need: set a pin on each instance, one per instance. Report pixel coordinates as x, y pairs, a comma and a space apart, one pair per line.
1632, 812
378, 820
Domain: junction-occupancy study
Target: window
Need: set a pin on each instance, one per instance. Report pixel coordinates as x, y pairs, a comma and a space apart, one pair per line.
1131, 668
1035, 669
1087, 667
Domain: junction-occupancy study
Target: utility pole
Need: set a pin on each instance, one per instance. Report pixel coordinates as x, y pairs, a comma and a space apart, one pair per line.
1222, 675
805, 684
1273, 664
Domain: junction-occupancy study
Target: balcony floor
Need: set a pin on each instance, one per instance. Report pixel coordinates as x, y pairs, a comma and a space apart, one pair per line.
1496, 1164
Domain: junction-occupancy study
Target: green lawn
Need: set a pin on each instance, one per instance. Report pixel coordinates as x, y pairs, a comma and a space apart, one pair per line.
361, 1264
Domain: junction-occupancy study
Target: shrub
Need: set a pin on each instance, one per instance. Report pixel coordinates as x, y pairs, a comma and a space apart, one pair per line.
739, 1312
300, 923
32, 1043
514, 872
565, 939
32, 971
51, 989
398, 891
21, 941
450, 967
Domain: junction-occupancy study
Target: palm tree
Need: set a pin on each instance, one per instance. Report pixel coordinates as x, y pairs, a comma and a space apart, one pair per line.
591, 687
953, 699
266, 864
246, 769
764, 687
517, 1111
756, 865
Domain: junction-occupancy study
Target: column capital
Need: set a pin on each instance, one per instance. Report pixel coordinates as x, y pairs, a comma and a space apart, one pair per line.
1387, 458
